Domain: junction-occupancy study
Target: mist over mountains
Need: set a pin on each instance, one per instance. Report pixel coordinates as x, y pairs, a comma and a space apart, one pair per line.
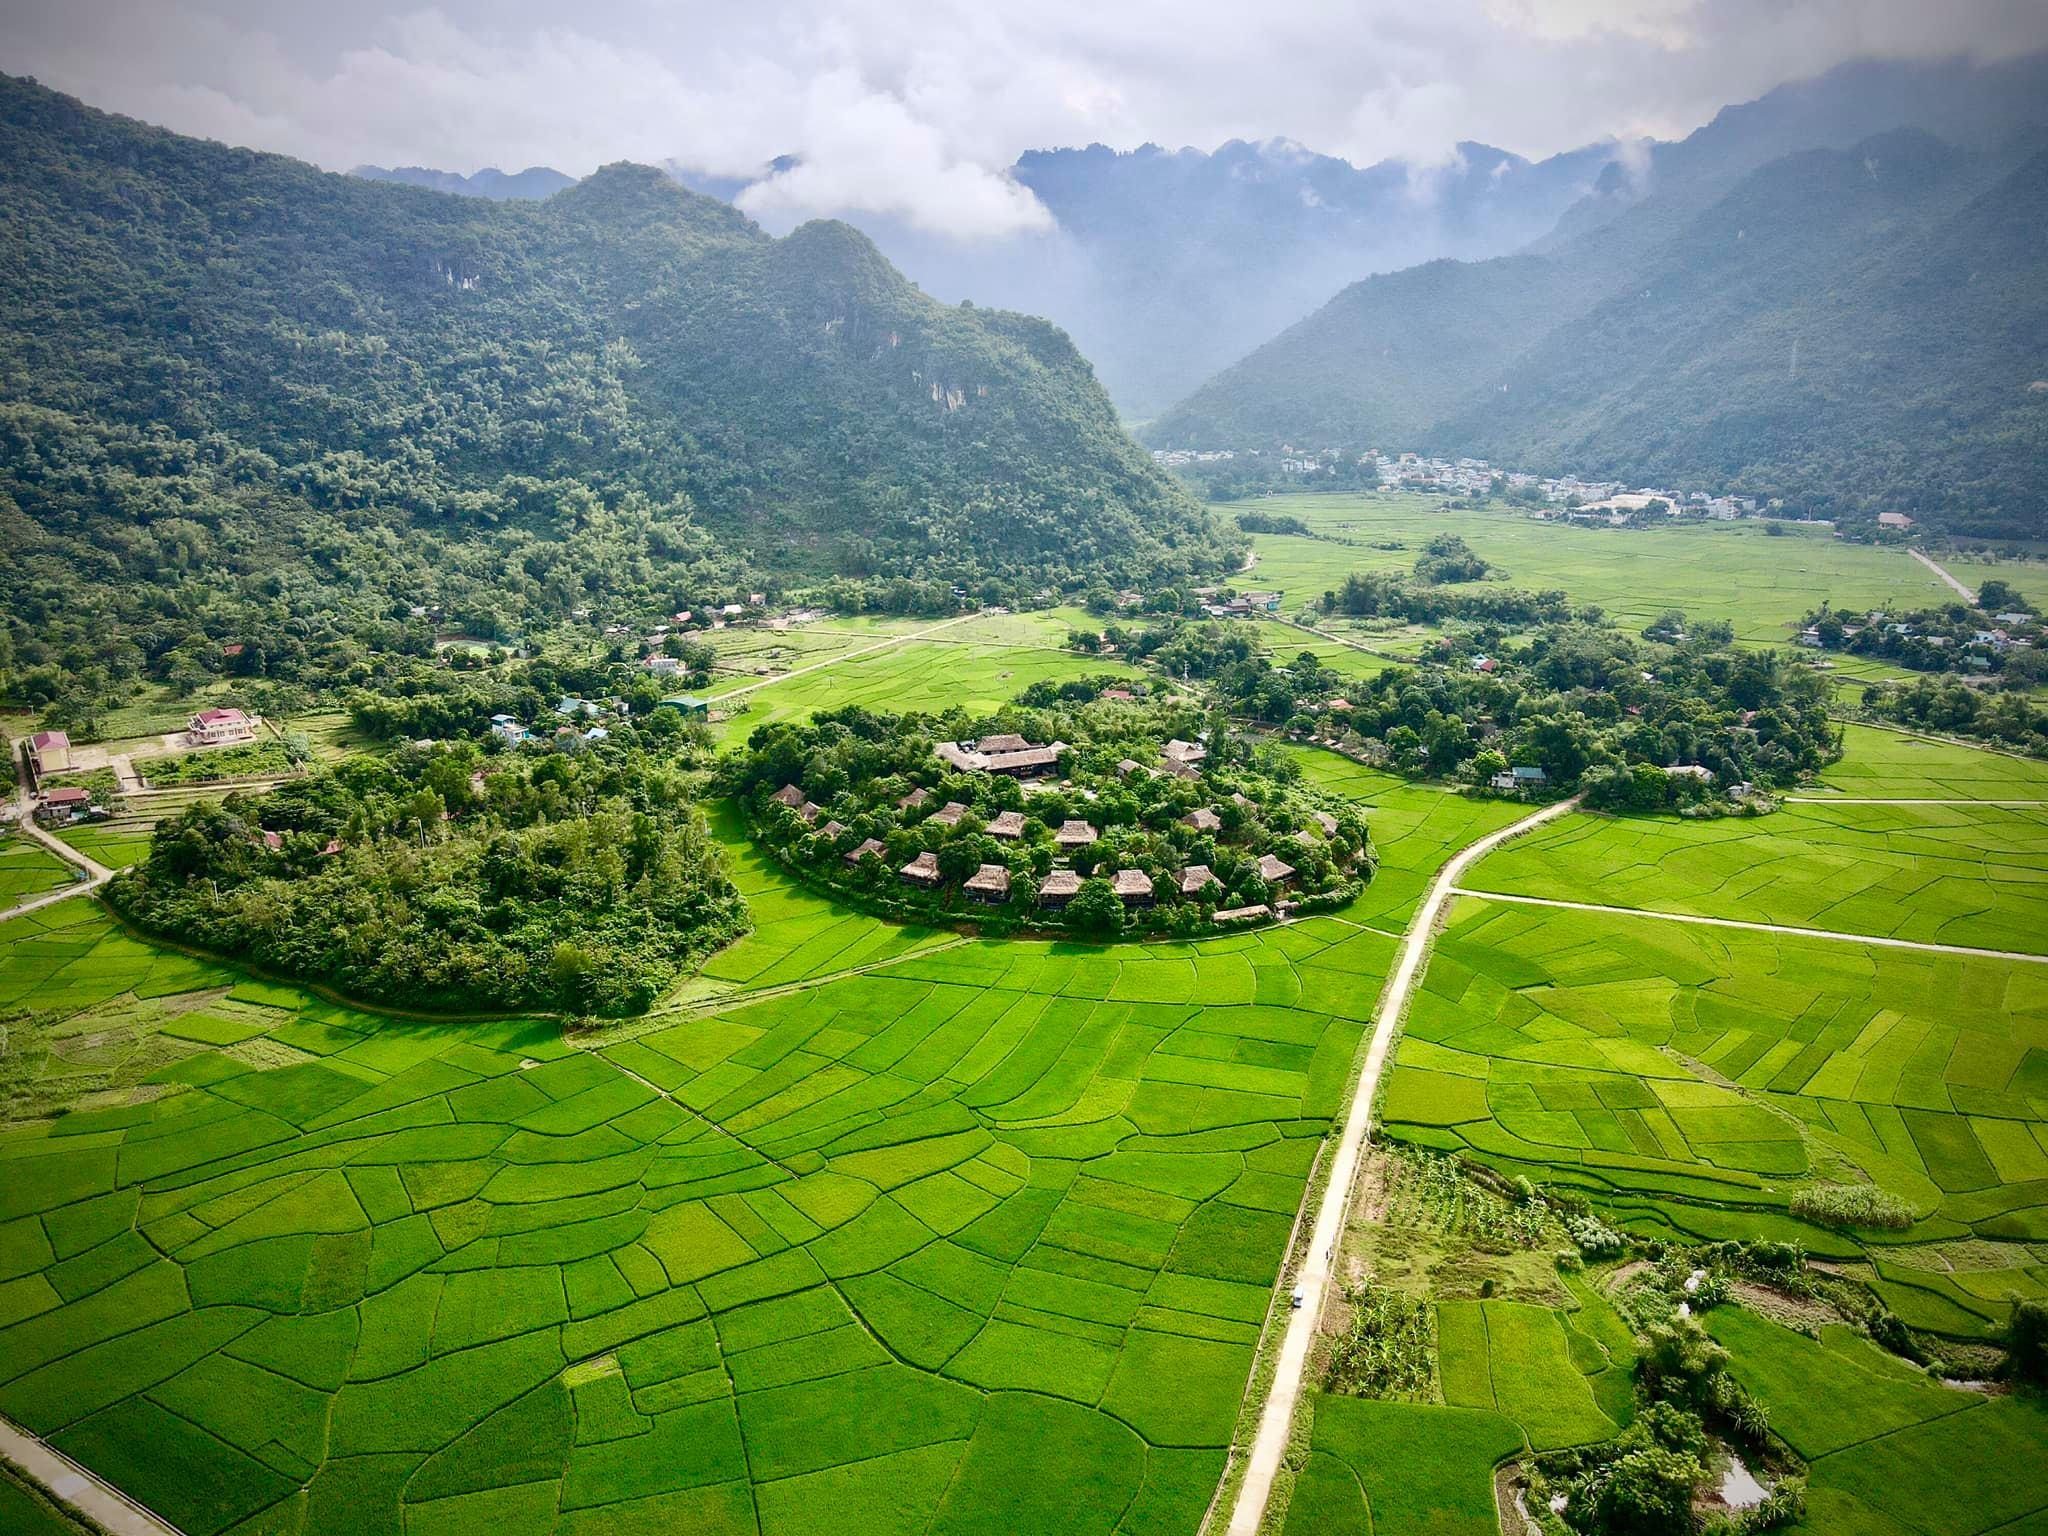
1854, 328
1166, 266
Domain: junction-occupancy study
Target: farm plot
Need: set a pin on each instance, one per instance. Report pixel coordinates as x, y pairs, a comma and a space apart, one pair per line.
981, 1241
1731, 571
1518, 1359
1285, 644
1969, 875
797, 934
931, 675
1415, 829
1881, 764
27, 868
1692, 1079
1888, 1449
1400, 1469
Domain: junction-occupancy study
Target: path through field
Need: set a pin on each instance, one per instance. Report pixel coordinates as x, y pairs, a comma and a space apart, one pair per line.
22, 812
1928, 560
1734, 922
845, 656
101, 1502
1276, 1419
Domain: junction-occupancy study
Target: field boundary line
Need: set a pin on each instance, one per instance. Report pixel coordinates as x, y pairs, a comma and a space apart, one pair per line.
78, 1487
1276, 1419
842, 657
1929, 945
1356, 645
1902, 800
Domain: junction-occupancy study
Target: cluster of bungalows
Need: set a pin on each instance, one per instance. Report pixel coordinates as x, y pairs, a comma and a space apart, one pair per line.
1018, 757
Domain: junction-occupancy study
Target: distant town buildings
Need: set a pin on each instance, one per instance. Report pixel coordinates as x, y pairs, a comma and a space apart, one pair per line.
1476, 477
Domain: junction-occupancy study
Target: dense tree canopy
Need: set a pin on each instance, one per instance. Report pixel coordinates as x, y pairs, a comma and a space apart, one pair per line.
244, 402
444, 878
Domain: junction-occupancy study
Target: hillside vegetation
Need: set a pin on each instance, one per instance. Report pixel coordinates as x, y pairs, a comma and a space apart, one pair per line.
1854, 331
231, 382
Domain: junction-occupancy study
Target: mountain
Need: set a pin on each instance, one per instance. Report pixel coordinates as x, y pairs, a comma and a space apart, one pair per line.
1819, 328
1858, 331
1167, 264
536, 181
228, 374
1975, 105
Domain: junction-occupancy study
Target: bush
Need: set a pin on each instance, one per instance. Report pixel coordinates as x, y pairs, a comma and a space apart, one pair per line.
1853, 1205
1595, 1238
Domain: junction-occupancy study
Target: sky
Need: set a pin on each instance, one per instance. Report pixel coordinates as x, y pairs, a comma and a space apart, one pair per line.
914, 109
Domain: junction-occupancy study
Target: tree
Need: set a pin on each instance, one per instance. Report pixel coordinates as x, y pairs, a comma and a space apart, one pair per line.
1096, 908
2026, 1341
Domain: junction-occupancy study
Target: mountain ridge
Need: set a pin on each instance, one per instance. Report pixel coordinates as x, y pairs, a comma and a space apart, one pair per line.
629, 392
1817, 333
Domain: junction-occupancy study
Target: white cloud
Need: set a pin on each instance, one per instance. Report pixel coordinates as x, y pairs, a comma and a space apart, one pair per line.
915, 111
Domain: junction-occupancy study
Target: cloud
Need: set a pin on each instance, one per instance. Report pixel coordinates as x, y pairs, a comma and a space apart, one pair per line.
914, 112
872, 154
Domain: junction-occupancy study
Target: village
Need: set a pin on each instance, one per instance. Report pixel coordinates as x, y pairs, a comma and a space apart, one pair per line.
50, 763
1560, 495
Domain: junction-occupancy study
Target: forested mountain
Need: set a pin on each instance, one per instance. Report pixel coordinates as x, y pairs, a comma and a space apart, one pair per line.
1167, 265
1855, 331
536, 181
228, 379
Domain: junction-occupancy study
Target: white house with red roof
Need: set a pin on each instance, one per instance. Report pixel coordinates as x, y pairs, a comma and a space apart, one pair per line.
218, 727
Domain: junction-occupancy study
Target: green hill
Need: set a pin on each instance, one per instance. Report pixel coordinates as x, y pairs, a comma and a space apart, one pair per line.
230, 377
1855, 331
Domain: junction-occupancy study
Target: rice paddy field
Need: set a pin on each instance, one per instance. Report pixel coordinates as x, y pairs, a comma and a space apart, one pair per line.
1974, 875
888, 1230
930, 674
1888, 1449
835, 1256
1415, 828
1691, 1080
1894, 765
28, 869
1731, 571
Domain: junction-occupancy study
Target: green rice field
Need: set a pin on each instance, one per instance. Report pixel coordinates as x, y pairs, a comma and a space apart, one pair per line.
887, 1230
1888, 1449
1893, 765
1731, 571
840, 1257
1415, 828
27, 869
1973, 875
934, 674
1692, 1079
